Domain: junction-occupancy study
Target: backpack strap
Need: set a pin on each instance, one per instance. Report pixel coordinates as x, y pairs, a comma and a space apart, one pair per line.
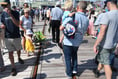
73, 17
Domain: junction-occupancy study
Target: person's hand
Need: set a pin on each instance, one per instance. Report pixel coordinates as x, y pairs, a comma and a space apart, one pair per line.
2, 26
71, 14
95, 49
24, 31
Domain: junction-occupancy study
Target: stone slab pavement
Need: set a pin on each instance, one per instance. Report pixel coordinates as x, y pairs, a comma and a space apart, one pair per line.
52, 61
24, 70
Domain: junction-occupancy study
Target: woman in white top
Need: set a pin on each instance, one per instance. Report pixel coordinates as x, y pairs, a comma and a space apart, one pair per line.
25, 24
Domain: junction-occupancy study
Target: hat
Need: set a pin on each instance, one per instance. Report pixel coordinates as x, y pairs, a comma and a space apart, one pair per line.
4, 2
28, 32
58, 3
1, 9
26, 10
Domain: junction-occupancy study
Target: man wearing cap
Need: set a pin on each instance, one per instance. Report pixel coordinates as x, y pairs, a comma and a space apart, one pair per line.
107, 39
10, 19
56, 15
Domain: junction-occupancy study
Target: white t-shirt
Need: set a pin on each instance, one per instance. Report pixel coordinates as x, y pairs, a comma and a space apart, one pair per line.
27, 22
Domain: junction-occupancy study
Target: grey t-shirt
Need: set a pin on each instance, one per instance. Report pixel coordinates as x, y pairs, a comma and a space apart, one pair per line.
111, 35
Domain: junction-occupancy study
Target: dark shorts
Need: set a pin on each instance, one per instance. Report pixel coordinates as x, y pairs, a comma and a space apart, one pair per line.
105, 56
48, 18
22, 33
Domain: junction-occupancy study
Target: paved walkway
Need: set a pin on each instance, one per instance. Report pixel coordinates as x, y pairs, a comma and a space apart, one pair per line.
24, 70
52, 62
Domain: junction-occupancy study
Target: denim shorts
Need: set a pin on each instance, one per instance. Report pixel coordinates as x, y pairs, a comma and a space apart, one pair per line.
105, 56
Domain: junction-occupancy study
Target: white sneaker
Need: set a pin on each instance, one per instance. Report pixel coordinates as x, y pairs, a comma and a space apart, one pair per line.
74, 72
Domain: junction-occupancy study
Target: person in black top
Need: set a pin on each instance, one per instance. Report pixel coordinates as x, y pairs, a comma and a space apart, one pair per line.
10, 19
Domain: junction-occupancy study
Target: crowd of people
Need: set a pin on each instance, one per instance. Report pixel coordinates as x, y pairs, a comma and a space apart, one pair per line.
16, 30
74, 22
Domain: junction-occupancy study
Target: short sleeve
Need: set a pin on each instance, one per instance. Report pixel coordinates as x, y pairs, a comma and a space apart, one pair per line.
65, 15
21, 18
66, 20
105, 19
51, 13
97, 22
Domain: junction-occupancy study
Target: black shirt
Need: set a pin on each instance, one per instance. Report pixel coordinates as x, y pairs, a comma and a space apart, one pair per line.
11, 30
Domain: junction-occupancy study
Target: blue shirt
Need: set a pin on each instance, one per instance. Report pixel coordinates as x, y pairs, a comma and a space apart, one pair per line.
65, 15
56, 13
11, 30
82, 21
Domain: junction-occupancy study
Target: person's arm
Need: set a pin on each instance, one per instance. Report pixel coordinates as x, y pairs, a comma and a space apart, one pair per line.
61, 39
2, 26
100, 37
71, 14
20, 25
61, 28
15, 21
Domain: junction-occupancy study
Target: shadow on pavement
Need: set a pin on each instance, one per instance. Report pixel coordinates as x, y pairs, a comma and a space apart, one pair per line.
90, 65
19, 67
42, 76
51, 56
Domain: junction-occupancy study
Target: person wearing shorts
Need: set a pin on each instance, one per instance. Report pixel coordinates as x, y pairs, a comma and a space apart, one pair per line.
10, 19
107, 39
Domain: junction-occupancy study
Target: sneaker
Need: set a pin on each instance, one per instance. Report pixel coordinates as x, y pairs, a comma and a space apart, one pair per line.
13, 72
53, 41
94, 37
97, 74
21, 61
74, 73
